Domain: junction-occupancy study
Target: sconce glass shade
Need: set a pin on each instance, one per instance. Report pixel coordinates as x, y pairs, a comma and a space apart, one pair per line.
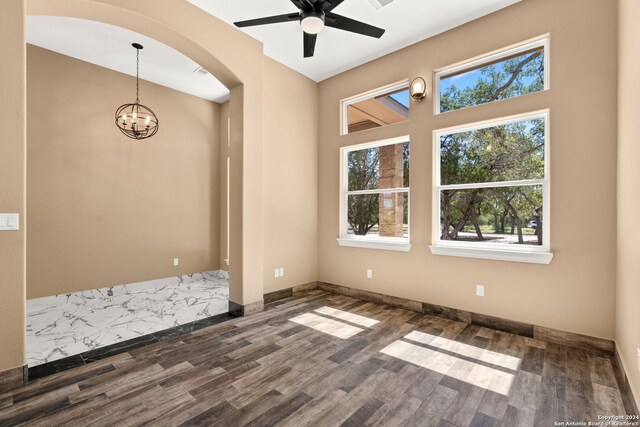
418, 89
137, 121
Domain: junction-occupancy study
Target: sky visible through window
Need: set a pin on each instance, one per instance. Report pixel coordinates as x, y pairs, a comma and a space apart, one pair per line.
401, 97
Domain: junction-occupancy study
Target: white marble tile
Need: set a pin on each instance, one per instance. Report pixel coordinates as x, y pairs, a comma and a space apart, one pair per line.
63, 325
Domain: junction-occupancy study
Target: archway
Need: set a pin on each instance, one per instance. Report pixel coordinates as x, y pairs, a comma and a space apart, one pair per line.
234, 58
215, 46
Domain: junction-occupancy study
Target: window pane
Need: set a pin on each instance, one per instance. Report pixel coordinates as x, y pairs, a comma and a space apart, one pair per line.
380, 110
506, 78
509, 152
378, 215
511, 215
379, 167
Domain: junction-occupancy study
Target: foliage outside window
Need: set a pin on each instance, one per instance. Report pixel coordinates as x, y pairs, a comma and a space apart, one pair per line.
377, 108
514, 72
376, 191
491, 184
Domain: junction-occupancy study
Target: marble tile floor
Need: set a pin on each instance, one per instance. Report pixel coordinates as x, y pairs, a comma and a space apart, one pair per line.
61, 326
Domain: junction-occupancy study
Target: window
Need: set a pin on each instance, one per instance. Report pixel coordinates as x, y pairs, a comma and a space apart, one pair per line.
492, 190
375, 195
507, 74
381, 107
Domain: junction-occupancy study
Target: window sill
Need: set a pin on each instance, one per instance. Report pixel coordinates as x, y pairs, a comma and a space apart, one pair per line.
533, 257
384, 244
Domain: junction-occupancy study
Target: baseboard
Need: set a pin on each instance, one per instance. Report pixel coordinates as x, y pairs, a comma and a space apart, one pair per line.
288, 292
236, 309
11, 379
628, 399
570, 339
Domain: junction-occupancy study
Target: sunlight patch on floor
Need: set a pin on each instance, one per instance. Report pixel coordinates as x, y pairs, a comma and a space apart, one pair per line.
460, 369
348, 317
327, 326
467, 350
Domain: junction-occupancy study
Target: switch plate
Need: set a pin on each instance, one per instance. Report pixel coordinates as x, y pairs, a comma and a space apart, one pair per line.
369, 273
176, 262
281, 271
9, 222
277, 273
480, 290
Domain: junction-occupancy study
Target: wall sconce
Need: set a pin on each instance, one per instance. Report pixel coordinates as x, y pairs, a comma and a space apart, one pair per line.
418, 89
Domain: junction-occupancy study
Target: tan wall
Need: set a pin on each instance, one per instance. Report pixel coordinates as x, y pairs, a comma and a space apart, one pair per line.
12, 183
628, 301
290, 177
105, 209
576, 291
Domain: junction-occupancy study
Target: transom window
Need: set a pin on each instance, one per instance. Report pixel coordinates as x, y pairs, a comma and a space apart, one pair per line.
513, 72
492, 184
377, 108
375, 194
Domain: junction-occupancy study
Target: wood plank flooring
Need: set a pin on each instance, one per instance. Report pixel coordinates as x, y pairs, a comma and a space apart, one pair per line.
397, 368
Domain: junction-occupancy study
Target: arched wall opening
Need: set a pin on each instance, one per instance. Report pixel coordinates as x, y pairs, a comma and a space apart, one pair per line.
206, 40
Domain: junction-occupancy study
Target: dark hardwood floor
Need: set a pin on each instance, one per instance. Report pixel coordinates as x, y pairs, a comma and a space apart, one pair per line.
325, 359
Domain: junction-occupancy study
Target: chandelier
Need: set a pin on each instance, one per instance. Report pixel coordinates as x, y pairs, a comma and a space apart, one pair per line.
135, 120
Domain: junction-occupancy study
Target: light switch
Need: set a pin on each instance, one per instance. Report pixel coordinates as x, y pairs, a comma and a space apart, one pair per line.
9, 222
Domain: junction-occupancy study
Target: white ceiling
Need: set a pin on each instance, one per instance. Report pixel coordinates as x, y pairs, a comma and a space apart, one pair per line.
405, 21
110, 47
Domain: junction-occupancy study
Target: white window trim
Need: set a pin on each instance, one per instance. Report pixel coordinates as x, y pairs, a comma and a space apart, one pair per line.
385, 243
496, 251
542, 41
344, 104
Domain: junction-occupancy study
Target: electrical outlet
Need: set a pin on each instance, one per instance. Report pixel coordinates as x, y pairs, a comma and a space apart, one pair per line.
281, 271
176, 262
369, 273
277, 273
480, 290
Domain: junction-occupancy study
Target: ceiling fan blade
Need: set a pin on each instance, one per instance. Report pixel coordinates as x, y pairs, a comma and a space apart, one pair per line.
309, 44
328, 5
347, 24
300, 4
268, 20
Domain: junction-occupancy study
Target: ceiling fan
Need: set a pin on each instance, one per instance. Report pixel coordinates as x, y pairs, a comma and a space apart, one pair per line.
313, 16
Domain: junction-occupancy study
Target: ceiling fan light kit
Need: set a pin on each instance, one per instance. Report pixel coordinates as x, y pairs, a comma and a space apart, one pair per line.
312, 22
313, 16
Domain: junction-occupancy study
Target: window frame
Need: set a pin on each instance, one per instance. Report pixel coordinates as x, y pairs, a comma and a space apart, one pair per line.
486, 59
508, 252
345, 103
387, 243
